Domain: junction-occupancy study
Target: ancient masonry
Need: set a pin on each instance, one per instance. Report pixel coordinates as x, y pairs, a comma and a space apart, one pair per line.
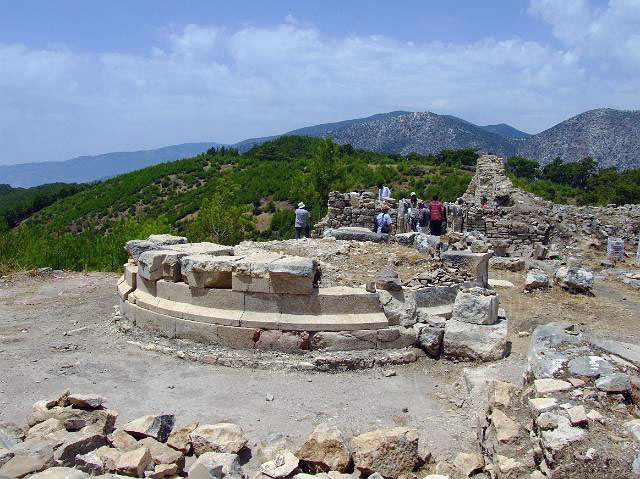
515, 222
355, 210
248, 298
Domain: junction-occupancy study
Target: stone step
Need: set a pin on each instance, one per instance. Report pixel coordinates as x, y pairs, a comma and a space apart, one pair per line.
445, 310
260, 319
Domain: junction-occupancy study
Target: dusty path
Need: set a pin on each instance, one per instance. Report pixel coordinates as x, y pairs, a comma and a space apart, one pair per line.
38, 359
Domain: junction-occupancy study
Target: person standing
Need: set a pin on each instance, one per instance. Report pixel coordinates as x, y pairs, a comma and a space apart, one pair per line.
383, 192
436, 209
413, 211
383, 220
423, 218
302, 221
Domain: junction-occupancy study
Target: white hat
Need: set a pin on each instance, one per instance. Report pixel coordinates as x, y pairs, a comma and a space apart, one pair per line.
413, 193
301, 205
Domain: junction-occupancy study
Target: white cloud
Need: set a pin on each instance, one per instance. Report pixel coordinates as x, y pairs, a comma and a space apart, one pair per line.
206, 83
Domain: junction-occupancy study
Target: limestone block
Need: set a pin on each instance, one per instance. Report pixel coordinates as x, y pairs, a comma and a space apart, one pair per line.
251, 273
151, 321
344, 340
508, 264
574, 279
388, 281
222, 437
474, 264
134, 463
476, 305
428, 244
161, 453
146, 286
130, 273
78, 443
392, 452
28, 457
399, 306
430, 339
197, 331
355, 234
237, 337
475, 341
60, 473
284, 341
396, 338
167, 239
206, 248
203, 271
536, 279
292, 275
151, 263
136, 247
156, 426
180, 439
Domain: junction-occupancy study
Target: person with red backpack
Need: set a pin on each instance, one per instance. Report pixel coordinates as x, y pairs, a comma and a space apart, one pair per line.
436, 208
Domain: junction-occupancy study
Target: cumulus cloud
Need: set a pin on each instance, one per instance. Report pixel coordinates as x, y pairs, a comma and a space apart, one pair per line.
207, 83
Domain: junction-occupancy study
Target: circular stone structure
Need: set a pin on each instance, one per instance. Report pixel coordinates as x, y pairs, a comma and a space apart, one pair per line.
262, 300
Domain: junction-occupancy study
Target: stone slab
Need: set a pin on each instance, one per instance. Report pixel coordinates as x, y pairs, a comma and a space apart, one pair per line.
130, 274
197, 331
159, 323
206, 297
146, 286
237, 337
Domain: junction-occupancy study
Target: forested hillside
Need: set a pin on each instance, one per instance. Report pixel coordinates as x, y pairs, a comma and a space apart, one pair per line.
221, 196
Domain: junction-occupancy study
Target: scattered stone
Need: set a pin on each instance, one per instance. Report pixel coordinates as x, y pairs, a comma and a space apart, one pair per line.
86, 401
180, 439
5, 455
223, 437
30, 456
475, 341
10, 435
509, 467
161, 453
468, 463
388, 281
595, 416
590, 366
282, 466
633, 427
540, 405
614, 383
325, 450
387, 373
577, 416
508, 264
576, 383
574, 279
156, 426
506, 429
212, 465
536, 279
90, 463
45, 428
476, 305
109, 457
550, 385
134, 463
430, 339
60, 473
81, 442
391, 452
123, 440
162, 470
399, 307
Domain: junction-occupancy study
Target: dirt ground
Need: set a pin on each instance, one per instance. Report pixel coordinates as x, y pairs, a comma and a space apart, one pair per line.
56, 332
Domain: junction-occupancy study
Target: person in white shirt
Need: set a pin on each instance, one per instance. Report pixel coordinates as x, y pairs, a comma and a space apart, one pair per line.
383, 191
383, 220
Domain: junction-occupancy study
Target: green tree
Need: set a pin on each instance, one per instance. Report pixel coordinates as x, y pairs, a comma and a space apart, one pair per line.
221, 219
324, 168
523, 168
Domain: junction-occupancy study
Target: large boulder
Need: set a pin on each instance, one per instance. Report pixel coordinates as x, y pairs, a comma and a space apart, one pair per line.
325, 450
476, 265
507, 264
216, 465
399, 307
156, 426
476, 305
223, 437
80, 442
536, 279
428, 244
475, 341
10, 435
180, 439
574, 279
391, 452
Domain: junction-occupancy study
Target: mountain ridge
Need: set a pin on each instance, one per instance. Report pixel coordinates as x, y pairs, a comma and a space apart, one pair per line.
610, 136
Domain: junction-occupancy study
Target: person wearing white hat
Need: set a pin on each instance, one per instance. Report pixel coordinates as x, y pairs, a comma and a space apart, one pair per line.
413, 211
302, 221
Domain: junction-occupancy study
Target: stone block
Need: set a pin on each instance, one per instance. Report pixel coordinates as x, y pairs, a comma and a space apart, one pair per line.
343, 341
251, 273
204, 271
350, 233
196, 331
474, 264
388, 281
396, 338
205, 248
430, 339
399, 307
151, 321
146, 286
476, 305
283, 341
150, 263
130, 274
475, 341
237, 337
292, 275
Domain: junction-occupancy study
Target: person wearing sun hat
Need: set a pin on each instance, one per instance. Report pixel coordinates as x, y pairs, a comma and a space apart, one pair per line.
302, 221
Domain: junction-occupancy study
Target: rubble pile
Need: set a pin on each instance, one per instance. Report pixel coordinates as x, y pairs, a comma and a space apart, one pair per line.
575, 416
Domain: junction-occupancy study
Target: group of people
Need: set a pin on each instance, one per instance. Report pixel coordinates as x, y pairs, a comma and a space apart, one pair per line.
424, 218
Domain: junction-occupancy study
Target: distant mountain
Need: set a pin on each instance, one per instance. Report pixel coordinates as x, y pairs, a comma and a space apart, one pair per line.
90, 168
505, 130
612, 137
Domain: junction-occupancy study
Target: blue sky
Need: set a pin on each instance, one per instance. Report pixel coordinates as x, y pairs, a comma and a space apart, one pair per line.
91, 77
